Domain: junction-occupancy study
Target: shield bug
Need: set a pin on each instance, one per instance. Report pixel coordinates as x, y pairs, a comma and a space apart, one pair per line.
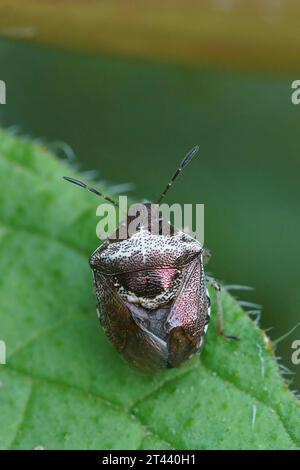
151, 293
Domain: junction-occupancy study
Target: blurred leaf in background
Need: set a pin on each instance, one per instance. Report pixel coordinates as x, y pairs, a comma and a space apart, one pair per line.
256, 34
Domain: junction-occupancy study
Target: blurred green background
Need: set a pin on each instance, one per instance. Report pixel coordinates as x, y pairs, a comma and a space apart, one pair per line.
132, 120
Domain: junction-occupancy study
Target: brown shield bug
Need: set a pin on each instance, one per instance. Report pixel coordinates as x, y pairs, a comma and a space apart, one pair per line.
152, 299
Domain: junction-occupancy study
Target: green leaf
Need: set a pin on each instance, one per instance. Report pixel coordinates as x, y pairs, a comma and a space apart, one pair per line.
65, 387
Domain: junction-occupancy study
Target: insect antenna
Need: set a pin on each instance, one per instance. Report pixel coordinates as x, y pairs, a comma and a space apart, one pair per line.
189, 156
92, 190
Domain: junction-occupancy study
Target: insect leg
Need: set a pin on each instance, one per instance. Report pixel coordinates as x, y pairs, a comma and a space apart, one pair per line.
217, 286
206, 255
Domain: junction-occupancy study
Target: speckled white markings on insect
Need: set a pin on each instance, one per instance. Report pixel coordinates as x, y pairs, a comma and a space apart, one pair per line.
208, 311
142, 238
153, 303
128, 256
